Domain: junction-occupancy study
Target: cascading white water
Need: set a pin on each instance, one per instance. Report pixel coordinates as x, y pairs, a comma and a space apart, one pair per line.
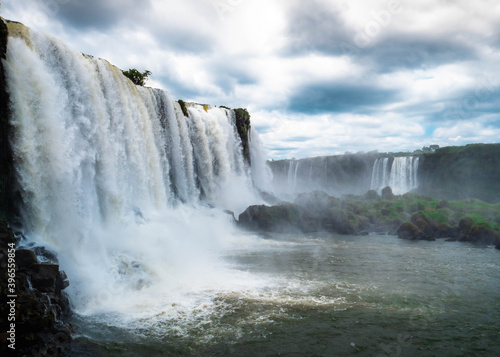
292, 169
401, 177
379, 174
261, 173
118, 181
403, 174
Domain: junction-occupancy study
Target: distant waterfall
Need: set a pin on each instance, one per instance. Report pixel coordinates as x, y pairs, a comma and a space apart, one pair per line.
112, 176
262, 175
336, 175
401, 175
293, 169
380, 174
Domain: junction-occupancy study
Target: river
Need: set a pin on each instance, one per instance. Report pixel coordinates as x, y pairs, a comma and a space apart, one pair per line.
322, 295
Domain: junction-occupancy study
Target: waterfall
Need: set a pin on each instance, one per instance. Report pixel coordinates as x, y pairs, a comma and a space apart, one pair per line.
379, 174
292, 165
401, 176
262, 175
115, 179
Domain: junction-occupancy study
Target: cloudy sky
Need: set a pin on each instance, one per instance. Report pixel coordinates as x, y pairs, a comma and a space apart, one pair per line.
319, 77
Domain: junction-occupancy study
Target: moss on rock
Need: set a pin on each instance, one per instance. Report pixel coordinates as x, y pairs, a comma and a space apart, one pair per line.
410, 216
242, 122
183, 107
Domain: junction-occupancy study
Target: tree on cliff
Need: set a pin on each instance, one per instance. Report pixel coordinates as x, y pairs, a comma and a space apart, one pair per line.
137, 77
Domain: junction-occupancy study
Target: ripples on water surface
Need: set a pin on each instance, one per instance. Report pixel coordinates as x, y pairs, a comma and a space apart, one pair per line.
322, 295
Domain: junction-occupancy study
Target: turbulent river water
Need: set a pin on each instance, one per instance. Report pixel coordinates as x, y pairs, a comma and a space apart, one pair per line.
319, 295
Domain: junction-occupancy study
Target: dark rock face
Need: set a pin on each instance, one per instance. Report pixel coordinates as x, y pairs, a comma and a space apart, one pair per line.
454, 173
243, 128
40, 305
6, 166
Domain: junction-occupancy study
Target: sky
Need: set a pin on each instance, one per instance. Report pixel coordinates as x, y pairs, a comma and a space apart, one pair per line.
319, 77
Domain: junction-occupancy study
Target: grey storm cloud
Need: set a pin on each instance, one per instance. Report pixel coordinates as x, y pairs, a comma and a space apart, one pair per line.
100, 14
396, 52
475, 102
339, 97
182, 40
316, 27
104, 15
320, 27
231, 75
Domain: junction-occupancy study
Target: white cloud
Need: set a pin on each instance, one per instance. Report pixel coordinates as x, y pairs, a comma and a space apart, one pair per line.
241, 55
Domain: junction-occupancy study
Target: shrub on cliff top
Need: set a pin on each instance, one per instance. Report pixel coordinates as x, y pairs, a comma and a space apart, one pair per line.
137, 77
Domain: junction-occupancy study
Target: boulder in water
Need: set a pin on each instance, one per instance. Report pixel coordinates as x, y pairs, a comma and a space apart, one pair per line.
409, 231
279, 218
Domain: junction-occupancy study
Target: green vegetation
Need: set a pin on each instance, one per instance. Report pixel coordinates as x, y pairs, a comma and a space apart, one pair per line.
137, 77
411, 216
243, 127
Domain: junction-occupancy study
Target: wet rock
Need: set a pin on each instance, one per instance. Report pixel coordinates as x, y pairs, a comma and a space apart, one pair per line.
482, 234
43, 277
45, 254
371, 195
387, 193
280, 218
443, 204
25, 258
409, 231
41, 305
465, 225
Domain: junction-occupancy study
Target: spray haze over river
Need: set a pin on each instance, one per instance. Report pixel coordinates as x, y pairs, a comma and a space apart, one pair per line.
130, 193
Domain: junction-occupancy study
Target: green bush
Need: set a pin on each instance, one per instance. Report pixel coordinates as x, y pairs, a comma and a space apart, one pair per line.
137, 77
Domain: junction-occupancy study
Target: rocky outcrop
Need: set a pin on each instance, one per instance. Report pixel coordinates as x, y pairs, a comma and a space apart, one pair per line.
410, 216
408, 231
472, 229
310, 212
36, 306
279, 218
